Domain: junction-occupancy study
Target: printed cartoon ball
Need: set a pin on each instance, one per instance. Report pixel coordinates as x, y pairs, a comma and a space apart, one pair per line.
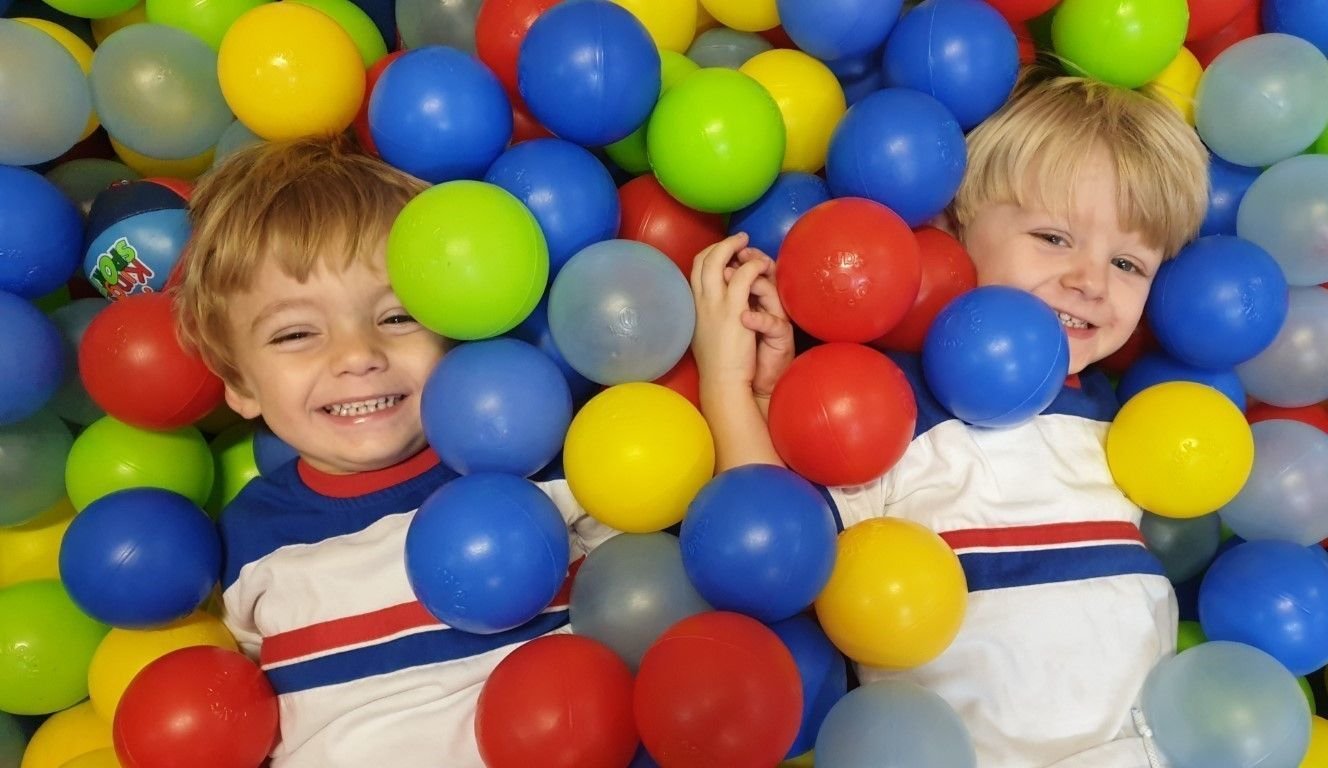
136, 233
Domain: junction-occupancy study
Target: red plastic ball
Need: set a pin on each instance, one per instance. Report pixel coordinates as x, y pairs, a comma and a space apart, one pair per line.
524, 126
718, 690
203, 706
361, 123
842, 414
685, 379
500, 28
133, 366
1207, 17
947, 271
849, 270
652, 216
1245, 24
1314, 415
1022, 10
562, 701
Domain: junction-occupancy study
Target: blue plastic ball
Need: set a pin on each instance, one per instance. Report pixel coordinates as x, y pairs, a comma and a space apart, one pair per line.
568, 189
1155, 368
589, 72
837, 29
893, 724
439, 114
963, 52
759, 540
35, 359
824, 674
768, 220
1273, 595
136, 233
487, 553
1220, 302
1306, 19
270, 451
1227, 184
140, 557
41, 234
535, 330
996, 356
499, 405
621, 311
901, 148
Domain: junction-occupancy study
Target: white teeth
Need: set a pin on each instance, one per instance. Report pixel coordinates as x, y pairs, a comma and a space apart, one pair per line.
1070, 321
362, 407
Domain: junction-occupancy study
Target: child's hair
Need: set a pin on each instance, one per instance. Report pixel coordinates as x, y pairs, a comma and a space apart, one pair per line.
1052, 124
302, 204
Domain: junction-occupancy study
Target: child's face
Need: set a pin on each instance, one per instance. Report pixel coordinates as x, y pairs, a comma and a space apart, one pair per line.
1094, 274
334, 365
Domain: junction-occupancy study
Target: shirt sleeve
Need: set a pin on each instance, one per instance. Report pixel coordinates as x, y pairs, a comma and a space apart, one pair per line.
237, 613
855, 503
585, 531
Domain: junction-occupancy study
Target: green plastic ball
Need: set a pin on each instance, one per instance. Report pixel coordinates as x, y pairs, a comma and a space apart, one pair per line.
1123, 42
110, 456
716, 140
1188, 635
46, 646
630, 153
207, 20
361, 29
92, 9
233, 450
467, 260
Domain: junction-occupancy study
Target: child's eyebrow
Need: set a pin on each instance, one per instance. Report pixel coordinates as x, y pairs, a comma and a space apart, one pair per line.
276, 307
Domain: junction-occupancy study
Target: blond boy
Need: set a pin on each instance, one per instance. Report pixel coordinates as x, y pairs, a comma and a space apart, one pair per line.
285, 295
1076, 191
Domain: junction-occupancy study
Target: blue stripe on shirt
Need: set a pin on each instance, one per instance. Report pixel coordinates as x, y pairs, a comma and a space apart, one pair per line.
1021, 568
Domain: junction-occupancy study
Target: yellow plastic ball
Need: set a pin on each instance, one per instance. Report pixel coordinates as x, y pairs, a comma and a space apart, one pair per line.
189, 168
744, 15
123, 653
1179, 82
1180, 449
32, 551
636, 455
102, 758
288, 70
704, 20
896, 596
77, 48
810, 100
66, 735
104, 28
1317, 755
671, 23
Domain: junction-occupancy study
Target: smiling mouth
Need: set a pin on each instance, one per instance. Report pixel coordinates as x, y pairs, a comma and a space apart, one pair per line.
1070, 321
363, 407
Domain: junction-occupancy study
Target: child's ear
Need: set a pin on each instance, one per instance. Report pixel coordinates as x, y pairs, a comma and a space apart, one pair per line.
241, 402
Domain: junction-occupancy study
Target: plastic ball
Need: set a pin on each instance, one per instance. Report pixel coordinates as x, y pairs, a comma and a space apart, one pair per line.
718, 689
960, 51
270, 451
671, 23
51, 95
500, 28
357, 24
92, 9
81, 179
43, 234
1022, 10
496, 406
156, 91
947, 272
569, 191
236, 464
759, 540
1305, 19
1156, 368
636, 455
67, 735
1180, 449
32, 472
620, 311
1285, 210
743, 15
440, 260
1185, 547
423, 23
188, 168
207, 20
363, 133
534, 330
996, 356
894, 724
13, 739
839, 29
842, 414
438, 114
101, 758
31, 550
652, 216
810, 101
1283, 497
110, 456
1120, 42
768, 220
849, 270
630, 153
1293, 370
824, 674
46, 644
487, 552
1314, 415
589, 71
35, 351
123, 653
72, 402
1259, 101
1179, 82
716, 124
1245, 25
1208, 17
1227, 185
560, 701
288, 70
901, 148
728, 48
210, 703
136, 232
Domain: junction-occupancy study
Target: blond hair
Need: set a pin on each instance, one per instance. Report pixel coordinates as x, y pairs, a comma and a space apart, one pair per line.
1033, 150
301, 205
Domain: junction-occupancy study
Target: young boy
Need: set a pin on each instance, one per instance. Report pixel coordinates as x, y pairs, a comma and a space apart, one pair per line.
1076, 192
285, 295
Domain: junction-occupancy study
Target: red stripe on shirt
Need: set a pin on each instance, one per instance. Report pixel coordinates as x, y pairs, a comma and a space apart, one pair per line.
1035, 535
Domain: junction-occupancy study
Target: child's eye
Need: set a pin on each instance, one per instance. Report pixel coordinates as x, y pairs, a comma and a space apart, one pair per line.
289, 337
1050, 238
1125, 265
398, 318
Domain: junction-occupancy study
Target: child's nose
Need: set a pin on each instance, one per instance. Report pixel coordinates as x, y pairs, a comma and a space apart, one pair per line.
358, 352
1087, 277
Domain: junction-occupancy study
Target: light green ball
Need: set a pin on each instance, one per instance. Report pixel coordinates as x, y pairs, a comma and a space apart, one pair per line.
1123, 42
1188, 635
207, 20
233, 450
111, 456
361, 29
467, 260
630, 153
46, 646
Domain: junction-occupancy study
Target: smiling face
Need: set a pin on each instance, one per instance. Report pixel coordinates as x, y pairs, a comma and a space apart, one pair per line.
334, 365
1081, 262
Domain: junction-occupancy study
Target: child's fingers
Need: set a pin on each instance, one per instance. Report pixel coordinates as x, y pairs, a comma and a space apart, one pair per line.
741, 282
766, 324
708, 269
767, 297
